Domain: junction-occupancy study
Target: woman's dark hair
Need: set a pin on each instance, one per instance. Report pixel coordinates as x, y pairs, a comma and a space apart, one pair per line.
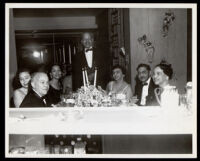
54, 65
166, 67
120, 67
16, 83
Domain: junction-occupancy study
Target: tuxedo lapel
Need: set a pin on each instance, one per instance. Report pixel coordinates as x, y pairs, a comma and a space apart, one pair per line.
94, 58
150, 99
138, 90
150, 87
84, 58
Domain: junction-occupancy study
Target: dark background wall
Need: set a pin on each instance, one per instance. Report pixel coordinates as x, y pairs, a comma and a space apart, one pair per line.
147, 144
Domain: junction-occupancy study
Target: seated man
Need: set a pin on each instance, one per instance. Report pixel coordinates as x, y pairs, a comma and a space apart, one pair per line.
144, 88
40, 87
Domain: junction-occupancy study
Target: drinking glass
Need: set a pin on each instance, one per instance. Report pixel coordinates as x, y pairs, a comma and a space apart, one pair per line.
134, 100
183, 100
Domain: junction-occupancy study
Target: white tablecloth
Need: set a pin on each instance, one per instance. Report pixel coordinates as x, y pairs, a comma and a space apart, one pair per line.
100, 120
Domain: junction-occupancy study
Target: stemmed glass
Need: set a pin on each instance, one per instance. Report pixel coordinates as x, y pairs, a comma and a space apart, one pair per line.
186, 103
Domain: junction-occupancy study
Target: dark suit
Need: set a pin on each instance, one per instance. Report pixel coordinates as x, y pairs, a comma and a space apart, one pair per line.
150, 98
32, 99
79, 61
53, 96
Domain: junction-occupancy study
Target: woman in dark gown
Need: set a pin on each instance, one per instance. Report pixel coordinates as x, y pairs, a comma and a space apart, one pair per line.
55, 86
53, 95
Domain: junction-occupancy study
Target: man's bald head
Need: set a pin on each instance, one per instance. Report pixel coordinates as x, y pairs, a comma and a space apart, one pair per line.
87, 39
40, 83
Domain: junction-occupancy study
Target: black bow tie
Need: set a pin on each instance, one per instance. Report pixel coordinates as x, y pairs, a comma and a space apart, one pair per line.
91, 49
43, 97
145, 84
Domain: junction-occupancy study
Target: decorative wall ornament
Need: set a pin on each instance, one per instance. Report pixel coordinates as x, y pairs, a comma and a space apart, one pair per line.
167, 22
149, 48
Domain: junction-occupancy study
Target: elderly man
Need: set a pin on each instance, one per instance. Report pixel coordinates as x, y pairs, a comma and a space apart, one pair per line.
40, 87
144, 88
89, 57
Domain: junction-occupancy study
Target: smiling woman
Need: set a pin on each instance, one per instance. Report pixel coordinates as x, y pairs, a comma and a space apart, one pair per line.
119, 86
165, 94
21, 86
55, 85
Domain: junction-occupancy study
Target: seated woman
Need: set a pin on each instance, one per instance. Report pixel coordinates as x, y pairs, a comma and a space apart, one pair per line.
166, 93
55, 86
119, 86
22, 85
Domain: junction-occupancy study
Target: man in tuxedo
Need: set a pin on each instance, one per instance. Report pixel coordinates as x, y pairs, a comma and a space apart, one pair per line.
90, 57
40, 87
144, 88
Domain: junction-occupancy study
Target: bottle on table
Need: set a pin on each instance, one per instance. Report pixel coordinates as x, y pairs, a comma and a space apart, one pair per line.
79, 146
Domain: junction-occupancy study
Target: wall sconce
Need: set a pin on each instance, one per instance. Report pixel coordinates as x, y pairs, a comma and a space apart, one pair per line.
122, 49
149, 48
167, 21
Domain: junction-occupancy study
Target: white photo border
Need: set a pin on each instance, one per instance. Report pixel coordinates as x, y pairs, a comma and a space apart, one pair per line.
192, 6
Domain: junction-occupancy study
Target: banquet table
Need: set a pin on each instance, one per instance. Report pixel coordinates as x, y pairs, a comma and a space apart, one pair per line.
100, 120
124, 130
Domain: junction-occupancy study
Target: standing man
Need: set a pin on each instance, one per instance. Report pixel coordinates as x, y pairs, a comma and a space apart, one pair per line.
144, 88
89, 58
40, 87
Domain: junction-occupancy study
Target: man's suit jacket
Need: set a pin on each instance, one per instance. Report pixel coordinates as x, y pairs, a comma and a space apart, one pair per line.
32, 99
150, 98
79, 61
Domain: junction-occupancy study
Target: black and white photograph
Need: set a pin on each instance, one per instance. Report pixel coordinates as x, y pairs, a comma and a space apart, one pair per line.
95, 80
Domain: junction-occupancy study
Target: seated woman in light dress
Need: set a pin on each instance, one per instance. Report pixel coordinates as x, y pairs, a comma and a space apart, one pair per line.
119, 85
22, 86
166, 94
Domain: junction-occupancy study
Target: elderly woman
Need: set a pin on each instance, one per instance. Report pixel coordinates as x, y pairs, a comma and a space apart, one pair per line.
55, 85
119, 86
21, 85
161, 76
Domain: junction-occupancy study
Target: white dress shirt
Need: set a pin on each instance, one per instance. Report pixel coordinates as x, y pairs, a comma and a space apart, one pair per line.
88, 56
145, 92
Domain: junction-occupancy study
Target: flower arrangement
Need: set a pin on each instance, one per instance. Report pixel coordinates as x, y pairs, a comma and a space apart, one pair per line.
90, 96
